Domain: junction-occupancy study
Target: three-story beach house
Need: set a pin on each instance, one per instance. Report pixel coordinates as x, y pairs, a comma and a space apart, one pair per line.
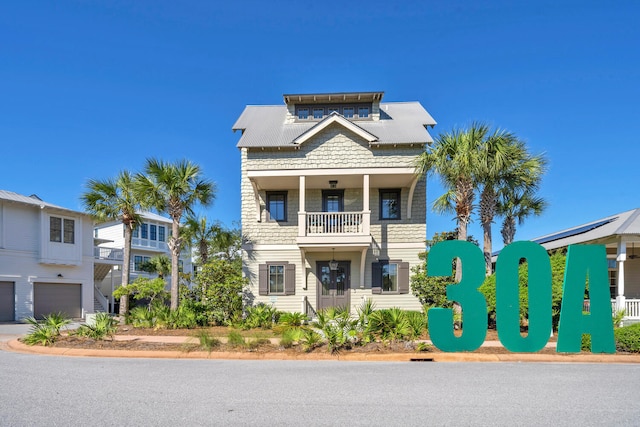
333, 213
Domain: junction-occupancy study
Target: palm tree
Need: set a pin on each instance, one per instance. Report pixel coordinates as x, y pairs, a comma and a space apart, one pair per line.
504, 161
454, 157
200, 235
516, 204
174, 188
116, 200
159, 264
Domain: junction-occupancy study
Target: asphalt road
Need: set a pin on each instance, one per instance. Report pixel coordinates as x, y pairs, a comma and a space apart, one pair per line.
58, 391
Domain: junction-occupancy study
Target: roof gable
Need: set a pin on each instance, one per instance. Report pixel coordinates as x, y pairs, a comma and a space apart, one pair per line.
328, 121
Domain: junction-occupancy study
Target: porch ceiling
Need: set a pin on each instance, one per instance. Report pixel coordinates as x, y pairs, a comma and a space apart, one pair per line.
347, 178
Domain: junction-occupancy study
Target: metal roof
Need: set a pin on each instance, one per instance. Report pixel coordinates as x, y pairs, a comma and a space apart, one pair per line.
32, 200
625, 223
400, 123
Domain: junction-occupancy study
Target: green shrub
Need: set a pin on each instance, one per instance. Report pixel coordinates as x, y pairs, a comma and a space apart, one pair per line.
40, 333
417, 322
104, 326
628, 338
235, 339
289, 337
141, 317
56, 321
207, 341
390, 324
310, 339
219, 288
558, 262
260, 316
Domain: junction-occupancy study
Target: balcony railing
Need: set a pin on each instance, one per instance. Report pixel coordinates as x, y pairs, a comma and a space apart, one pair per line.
147, 243
322, 223
108, 253
631, 307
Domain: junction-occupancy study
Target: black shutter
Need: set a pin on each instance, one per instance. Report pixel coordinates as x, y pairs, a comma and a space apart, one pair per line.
376, 278
290, 279
263, 279
403, 277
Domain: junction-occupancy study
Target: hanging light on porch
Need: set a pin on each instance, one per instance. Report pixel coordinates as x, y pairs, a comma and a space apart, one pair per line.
333, 264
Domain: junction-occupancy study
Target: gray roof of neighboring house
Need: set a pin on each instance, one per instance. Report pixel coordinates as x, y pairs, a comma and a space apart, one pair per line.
625, 223
32, 200
400, 123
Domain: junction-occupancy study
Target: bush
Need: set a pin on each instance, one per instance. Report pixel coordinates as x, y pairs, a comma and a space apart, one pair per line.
219, 289
430, 291
260, 316
207, 341
628, 338
47, 331
104, 326
235, 339
488, 288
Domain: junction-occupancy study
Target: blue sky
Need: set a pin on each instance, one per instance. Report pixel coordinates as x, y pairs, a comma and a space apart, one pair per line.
88, 88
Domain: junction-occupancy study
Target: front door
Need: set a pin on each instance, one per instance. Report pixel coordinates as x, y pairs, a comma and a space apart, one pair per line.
333, 285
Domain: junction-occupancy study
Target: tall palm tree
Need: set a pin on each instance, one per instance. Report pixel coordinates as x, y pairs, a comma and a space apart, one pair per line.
115, 200
516, 204
504, 161
174, 188
454, 158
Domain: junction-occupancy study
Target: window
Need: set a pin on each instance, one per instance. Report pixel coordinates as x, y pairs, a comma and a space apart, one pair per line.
347, 112
333, 110
389, 204
277, 206
318, 113
144, 231
363, 112
332, 200
161, 233
61, 230
69, 231
153, 233
390, 277
277, 278
613, 275
55, 229
138, 262
303, 113
136, 232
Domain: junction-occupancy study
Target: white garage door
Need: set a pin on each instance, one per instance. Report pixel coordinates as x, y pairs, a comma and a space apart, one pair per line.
7, 302
54, 297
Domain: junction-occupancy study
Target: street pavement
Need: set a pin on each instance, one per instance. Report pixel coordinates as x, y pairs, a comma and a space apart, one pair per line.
42, 390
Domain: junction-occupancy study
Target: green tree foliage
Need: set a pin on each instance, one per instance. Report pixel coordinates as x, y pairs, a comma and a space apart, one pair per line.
628, 338
488, 288
219, 289
151, 290
116, 200
431, 291
174, 188
159, 264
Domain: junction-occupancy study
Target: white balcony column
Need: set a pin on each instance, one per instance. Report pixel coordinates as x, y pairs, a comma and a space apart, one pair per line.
366, 207
621, 258
302, 211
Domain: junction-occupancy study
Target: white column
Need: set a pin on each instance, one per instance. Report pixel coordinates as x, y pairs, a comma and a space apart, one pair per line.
621, 258
302, 210
363, 266
366, 208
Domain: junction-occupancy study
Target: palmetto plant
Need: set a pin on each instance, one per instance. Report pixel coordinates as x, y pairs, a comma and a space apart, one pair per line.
390, 324
104, 326
39, 333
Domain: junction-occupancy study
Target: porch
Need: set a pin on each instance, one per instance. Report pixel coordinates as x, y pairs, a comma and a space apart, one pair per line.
630, 306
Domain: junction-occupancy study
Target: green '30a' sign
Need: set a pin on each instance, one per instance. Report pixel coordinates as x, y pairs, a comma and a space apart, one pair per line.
585, 264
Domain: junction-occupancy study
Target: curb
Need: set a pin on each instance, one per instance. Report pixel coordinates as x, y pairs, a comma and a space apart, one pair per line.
19, 347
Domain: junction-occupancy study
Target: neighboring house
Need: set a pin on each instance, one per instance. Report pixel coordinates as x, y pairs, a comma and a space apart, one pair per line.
46, 259
620, 233
333, 213
149, 240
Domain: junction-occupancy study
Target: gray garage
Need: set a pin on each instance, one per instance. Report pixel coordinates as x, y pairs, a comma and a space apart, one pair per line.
7, 302
54, 297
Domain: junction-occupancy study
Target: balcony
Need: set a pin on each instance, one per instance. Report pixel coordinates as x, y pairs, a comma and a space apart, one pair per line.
324, 229
108, 254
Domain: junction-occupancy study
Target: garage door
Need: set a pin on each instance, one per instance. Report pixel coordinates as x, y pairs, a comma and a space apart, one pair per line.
7, 302
54, 297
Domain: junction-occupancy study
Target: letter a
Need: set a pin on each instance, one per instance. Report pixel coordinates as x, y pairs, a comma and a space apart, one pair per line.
586, 262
